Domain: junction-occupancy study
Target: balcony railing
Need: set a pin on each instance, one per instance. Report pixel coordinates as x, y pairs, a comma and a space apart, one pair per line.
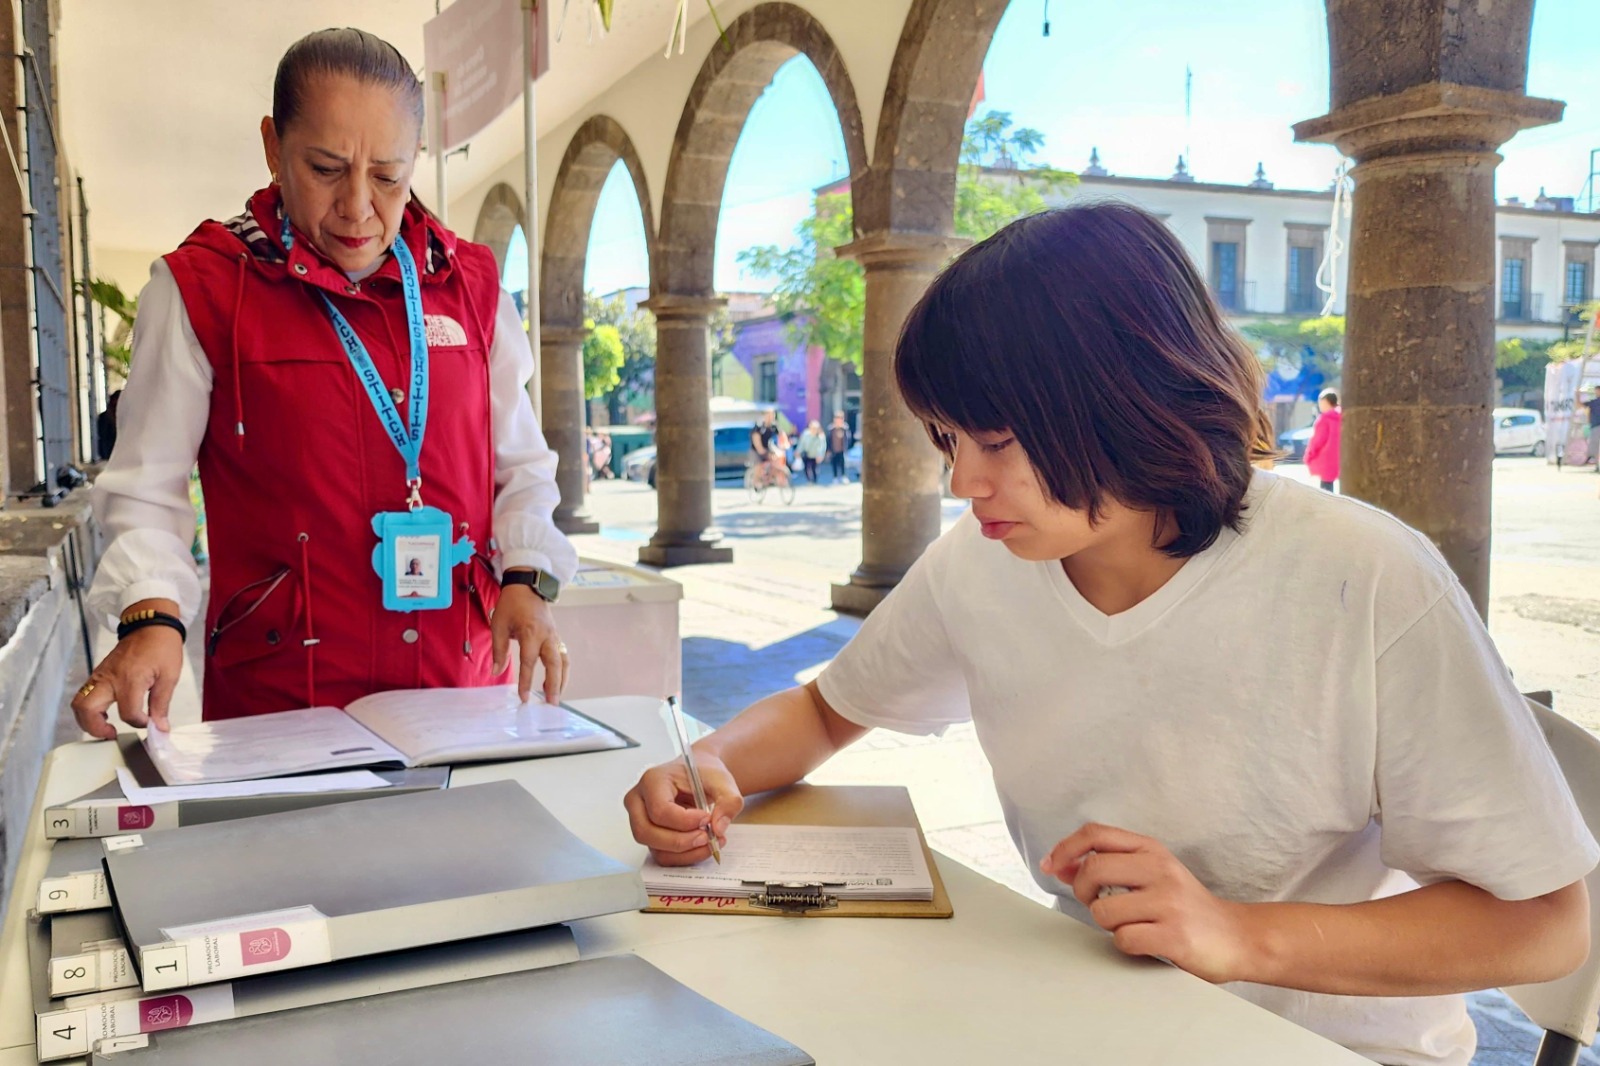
1238, 301
1304, 303
1524, 307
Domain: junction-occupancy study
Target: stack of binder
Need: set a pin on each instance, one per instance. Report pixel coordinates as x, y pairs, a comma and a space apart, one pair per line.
371, 925
191, 922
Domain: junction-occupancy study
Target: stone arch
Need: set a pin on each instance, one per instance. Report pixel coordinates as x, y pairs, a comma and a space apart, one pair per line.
594, 149
911, 187
498, 218
733, 76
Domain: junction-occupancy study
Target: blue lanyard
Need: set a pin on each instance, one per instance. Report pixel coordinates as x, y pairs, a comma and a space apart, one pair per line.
407, 437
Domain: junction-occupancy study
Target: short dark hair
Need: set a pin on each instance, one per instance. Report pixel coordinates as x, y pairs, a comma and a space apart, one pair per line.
1088, 334
350, 52
1330, 395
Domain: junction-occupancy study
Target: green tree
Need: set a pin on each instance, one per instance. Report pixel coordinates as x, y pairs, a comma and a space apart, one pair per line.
1519, 362
822, 297
1319, 339
636, 331
997, 182
603, 355
1573, 347
634, 380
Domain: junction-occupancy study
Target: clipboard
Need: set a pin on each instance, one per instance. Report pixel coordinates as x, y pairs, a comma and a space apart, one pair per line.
836, 805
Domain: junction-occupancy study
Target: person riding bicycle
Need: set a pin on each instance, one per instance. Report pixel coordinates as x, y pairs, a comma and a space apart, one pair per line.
767, 447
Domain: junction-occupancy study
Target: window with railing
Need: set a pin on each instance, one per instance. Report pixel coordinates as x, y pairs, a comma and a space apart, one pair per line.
1304, 296
1513, 274
1225, 273
1577, 287
1227, 237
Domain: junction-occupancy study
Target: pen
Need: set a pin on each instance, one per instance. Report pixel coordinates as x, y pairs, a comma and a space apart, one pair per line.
682, 732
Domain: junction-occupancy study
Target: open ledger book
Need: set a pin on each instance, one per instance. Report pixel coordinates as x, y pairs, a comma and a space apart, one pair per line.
407, 727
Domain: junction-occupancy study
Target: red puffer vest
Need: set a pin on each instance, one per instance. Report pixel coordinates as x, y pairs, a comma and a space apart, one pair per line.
294, 463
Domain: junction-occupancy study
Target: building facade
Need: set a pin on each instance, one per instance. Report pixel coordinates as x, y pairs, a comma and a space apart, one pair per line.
769, 366
1261, 248
1268, 254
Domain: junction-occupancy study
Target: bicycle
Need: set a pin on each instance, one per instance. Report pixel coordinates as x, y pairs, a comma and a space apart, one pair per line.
762, 476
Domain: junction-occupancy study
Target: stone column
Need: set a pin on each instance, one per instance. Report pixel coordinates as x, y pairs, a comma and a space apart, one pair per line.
1419, 344
900, 468
684, 471
561, 381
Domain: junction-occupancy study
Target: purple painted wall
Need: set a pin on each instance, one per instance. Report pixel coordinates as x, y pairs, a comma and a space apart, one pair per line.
758, 338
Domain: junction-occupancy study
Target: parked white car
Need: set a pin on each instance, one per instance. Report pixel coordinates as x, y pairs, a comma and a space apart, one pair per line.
1518, 429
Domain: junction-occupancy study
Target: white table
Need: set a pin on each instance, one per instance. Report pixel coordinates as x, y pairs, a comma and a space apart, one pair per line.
1005, 980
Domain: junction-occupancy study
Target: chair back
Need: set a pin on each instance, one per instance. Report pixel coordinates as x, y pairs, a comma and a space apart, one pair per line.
1571, 1005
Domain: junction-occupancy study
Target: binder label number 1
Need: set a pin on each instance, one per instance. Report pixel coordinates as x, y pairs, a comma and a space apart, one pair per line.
165, 967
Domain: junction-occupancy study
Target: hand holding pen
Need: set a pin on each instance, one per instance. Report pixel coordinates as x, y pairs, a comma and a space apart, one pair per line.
659, 810
681, 731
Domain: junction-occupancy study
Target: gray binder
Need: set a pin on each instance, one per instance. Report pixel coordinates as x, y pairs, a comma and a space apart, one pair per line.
106, 812
39, 960
67, 1030
617, 1011
213, 902
87, 954
74, 879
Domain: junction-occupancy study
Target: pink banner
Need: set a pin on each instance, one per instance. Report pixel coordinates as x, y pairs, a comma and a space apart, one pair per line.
477, 46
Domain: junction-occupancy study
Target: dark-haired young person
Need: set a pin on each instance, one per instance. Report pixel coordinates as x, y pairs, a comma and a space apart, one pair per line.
1310, 767
283, 347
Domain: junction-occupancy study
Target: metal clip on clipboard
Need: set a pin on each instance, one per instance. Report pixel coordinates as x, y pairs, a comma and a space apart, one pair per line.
794, 897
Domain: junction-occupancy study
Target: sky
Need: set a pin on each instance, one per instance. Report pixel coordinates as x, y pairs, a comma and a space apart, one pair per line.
1111, 76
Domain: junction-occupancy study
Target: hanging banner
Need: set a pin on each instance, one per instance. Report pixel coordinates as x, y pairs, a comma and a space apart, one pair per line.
1567, 386
477, 46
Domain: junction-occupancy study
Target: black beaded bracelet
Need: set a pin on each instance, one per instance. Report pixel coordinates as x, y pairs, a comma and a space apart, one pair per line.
142, 619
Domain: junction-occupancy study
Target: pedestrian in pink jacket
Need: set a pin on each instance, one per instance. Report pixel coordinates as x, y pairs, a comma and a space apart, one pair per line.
1322, 454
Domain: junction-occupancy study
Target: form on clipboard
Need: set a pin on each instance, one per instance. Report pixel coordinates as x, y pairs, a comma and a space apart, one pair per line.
782, 892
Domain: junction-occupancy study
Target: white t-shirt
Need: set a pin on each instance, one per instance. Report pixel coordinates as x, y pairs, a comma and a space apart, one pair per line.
1309, 710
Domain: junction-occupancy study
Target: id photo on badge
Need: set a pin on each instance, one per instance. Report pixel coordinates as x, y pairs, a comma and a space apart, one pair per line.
416, 567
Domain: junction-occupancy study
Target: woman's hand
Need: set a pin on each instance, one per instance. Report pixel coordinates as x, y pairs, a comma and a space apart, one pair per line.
144, 665
523, 615
663, 816
1156, 906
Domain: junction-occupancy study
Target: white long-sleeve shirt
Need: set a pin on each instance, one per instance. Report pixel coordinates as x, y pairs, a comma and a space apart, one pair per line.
142, 496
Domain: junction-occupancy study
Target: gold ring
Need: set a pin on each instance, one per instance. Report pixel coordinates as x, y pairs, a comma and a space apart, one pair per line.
87, 688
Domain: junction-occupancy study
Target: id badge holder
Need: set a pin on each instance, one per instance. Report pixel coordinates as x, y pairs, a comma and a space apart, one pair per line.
415, 556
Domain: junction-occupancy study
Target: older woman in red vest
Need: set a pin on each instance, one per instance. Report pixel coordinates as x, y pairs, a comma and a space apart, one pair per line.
352, 380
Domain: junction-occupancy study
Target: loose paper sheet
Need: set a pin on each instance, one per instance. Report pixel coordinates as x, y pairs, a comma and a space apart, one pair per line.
870, 863
348, 781
265, 745
444, 725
